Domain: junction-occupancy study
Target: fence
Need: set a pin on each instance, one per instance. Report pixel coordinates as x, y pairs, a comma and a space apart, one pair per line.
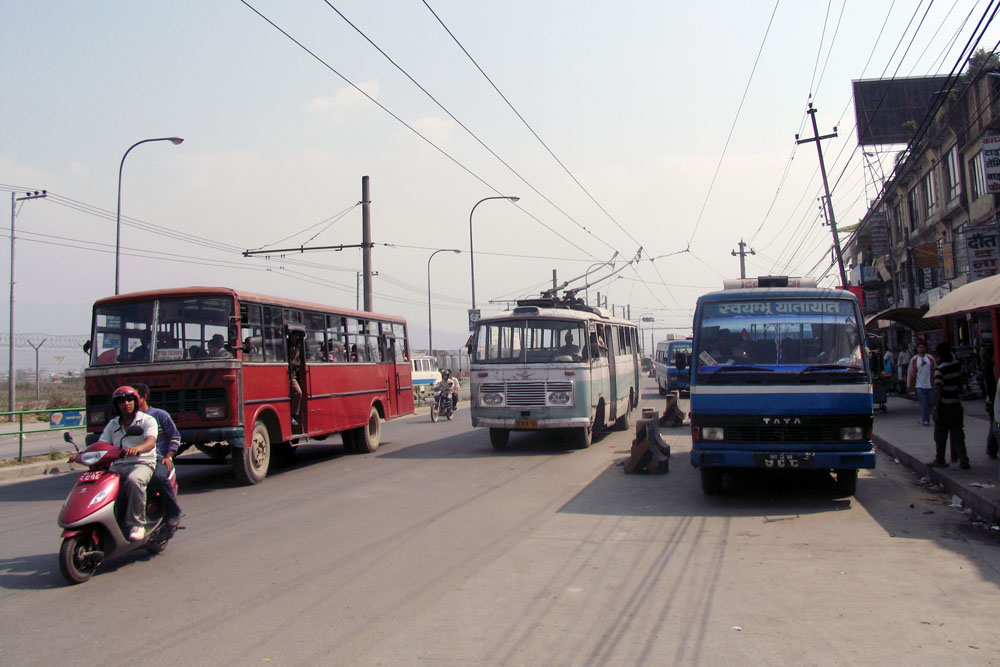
60, 419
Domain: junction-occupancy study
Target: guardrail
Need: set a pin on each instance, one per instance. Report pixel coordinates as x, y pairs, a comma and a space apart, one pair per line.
60, 419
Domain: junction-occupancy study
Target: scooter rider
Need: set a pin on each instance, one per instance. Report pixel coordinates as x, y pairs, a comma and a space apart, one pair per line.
139, 460
168, 439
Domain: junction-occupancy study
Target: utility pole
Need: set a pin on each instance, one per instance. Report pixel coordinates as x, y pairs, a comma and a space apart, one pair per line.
11, 380
366, 241
826, 189
743, 253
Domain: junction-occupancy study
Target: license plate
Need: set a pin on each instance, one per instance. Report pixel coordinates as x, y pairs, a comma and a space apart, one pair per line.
91, 476
779, 461
525, 423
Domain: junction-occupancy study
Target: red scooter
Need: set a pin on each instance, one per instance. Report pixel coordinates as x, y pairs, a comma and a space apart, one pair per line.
91, 517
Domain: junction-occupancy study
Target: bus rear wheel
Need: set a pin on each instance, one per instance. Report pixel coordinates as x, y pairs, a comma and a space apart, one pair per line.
624, 422
499, 437
367, 438
250, 464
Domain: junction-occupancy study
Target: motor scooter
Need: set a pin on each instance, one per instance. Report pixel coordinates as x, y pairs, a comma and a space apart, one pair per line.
441, 405
92, 516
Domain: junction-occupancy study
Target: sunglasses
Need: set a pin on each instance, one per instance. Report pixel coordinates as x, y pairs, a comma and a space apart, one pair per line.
122, 399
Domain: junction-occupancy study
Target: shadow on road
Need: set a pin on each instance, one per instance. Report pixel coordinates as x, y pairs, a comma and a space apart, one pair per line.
526, 443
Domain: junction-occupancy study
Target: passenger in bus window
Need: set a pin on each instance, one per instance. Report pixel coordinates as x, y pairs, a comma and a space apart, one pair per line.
294, 366
569, 347
216, 348
195, 352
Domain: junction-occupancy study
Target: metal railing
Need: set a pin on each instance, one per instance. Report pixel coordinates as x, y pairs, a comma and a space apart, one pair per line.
8, 418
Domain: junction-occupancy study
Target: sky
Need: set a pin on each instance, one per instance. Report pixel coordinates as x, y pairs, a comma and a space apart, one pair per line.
667, 126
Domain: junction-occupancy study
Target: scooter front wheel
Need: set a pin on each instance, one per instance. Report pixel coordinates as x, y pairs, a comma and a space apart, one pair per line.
74, 563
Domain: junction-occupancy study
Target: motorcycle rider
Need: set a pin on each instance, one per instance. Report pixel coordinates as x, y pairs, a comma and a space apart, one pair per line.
139, 459
167, 441
448, 385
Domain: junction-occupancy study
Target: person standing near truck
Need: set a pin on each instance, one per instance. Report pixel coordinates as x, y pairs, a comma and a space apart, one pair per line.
920, 380
948, 413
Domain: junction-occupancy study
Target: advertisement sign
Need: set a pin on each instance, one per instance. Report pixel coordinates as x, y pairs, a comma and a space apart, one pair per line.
984, 255
473, 318
991, 162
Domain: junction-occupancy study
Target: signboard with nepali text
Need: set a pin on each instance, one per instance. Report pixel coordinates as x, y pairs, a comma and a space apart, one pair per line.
991, 163
984, 255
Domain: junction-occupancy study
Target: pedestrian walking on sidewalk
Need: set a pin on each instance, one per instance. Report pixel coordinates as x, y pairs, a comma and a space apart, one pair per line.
920, 379
948, 414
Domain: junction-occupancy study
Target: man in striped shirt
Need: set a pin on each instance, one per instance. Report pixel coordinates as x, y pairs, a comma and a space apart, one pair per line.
948, 415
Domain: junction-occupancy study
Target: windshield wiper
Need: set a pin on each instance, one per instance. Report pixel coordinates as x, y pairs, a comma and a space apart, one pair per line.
822, 368
742, 367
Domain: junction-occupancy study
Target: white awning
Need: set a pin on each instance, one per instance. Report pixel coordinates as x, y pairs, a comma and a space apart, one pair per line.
982, 294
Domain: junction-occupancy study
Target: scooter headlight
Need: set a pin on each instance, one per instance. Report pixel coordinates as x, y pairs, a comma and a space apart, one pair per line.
90, 458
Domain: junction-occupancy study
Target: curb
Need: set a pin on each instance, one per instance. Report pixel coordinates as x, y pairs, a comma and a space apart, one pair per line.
17, 472
984, 502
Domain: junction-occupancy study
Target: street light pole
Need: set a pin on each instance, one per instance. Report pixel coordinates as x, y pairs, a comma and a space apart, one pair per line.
472, 258
118, 215
11, 380
430, 335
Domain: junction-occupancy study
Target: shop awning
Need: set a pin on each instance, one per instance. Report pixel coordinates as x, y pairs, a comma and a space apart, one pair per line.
982, 294
908, 317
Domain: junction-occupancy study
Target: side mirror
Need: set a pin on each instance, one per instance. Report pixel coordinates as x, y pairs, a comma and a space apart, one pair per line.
87, 347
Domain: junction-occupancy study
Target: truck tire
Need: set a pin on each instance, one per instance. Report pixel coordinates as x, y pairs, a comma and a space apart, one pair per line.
847, 482
711, 481
499, 437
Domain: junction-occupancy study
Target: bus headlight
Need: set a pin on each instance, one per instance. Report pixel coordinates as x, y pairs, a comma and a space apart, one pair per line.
713, 433
559, 398
214, 412
491, 399
852, 433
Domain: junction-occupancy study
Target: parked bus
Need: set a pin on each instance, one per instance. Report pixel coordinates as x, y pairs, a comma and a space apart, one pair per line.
780, 381
220, 362
550, 363
673, 366
425, 375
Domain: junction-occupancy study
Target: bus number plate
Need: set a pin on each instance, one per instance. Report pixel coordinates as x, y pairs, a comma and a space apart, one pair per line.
779, 461
525, 423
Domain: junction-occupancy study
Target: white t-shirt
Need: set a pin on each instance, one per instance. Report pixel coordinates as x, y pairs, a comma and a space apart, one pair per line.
115, 434
924, 368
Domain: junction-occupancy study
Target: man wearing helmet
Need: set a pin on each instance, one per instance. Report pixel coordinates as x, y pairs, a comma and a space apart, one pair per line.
139, 459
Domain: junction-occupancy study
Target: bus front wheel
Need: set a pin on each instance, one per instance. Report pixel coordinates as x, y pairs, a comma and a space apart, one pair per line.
499, 437
583, 437
711, 481
250, 463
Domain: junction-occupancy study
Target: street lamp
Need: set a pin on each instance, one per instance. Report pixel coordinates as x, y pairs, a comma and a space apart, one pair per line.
118, 216
472, 259
430, 338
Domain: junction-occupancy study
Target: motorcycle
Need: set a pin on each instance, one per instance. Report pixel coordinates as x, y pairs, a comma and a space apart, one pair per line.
92, 515
441, 405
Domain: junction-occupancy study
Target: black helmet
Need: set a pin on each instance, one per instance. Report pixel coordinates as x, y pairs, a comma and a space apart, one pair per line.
445, 374
124, 391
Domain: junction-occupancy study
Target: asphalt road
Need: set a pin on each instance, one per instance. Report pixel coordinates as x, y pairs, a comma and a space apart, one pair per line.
438, 550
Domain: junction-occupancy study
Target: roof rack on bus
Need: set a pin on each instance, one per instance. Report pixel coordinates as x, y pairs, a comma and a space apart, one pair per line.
769, 281
531, 306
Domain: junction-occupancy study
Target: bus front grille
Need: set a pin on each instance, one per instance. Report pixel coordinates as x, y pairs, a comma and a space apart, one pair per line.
525, 394
174, 401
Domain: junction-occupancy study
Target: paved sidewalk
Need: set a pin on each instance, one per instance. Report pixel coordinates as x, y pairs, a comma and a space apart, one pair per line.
899, 433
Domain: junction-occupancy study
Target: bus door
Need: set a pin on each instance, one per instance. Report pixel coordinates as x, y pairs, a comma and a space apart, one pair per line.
297, 379
598, 365
388, 345
611, 337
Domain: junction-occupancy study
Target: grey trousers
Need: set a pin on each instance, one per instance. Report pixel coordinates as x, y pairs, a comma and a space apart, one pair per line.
135, 477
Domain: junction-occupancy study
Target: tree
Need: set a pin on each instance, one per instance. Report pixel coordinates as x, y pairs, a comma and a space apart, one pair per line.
982, 61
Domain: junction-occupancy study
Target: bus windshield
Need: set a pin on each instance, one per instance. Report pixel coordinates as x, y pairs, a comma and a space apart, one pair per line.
792, 335
185, 328
530, 342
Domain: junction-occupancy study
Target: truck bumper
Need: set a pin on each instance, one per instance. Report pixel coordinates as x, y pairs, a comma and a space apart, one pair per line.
842, 460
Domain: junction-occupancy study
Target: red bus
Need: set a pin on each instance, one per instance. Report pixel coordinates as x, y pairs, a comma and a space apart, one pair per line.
219, 361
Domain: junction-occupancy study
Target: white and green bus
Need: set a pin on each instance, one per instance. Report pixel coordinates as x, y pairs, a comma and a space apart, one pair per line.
553, 364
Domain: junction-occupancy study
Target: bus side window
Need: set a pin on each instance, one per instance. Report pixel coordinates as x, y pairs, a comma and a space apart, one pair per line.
274, 335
